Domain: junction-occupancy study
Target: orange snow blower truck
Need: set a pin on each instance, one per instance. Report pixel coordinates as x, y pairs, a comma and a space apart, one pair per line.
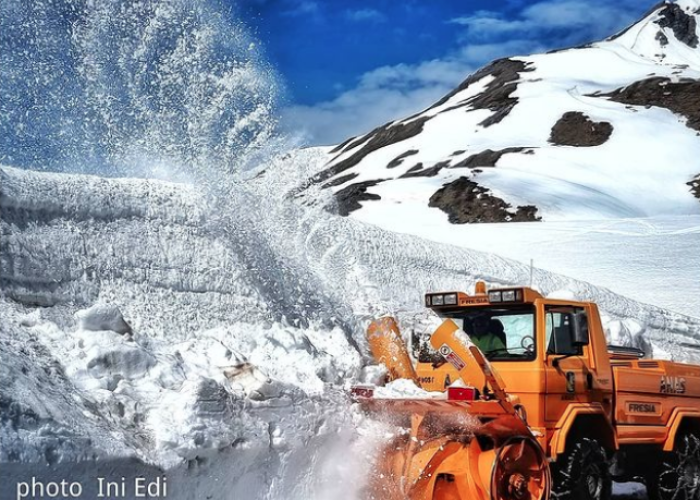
547, 407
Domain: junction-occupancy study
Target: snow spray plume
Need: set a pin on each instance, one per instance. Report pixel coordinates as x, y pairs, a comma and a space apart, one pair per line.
151, 88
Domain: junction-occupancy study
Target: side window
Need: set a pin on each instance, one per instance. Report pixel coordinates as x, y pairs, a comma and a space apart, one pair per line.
559, 330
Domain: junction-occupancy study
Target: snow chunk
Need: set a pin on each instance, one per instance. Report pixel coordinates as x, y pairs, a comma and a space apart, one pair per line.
374, 374
30, 320
194, 420
102, 317
119, 362
405, 388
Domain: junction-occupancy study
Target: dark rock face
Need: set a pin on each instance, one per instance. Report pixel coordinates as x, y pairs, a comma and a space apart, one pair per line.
342, 145
486, 158
660, 4
695, 186
349, 144
663, 39
415, 168
428, 172
682, 97
465, 201
496, 96
399, 159
340, 180
385, 135
576, 129
683, 25
349, 198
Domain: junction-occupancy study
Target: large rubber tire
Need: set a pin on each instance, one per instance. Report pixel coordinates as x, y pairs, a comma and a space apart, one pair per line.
582, 473
678, 474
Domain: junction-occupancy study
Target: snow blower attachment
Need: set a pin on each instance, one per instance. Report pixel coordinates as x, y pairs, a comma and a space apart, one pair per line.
543, 404
388, 348
470, 444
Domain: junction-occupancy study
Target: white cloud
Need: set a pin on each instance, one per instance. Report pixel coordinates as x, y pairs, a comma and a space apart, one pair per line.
303, 8
547, 17
394, 92
381, 95
484, 24
574, 13
406, 76
356, 112
365, 15
486, 52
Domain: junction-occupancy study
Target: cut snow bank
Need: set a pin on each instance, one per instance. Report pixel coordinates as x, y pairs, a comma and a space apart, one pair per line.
102, 317
79, 404
168, 401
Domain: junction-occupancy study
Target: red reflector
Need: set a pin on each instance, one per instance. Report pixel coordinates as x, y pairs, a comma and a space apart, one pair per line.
360, 391
461, 394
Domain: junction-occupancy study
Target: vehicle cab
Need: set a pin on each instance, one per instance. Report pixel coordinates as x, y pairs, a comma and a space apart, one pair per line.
549, 353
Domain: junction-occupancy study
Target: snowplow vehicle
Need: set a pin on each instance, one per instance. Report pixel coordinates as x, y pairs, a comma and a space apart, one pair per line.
543, 407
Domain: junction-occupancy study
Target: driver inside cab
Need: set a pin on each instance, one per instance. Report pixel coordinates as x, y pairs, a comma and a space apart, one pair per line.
488, 334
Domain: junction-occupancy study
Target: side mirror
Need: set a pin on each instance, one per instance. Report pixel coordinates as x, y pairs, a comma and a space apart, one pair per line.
580, 325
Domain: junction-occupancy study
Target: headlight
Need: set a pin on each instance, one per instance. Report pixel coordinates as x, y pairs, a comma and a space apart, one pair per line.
495, 297
442, 299
450, 299
509, 296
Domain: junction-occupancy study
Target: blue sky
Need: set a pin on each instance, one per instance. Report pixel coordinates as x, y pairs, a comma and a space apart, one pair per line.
349, 66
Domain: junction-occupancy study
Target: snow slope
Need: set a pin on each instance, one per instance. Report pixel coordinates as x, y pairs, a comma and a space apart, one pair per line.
632, 152
246, 318
653, 260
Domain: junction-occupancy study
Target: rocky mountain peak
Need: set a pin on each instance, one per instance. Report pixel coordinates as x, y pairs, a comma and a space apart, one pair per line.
669, 33
588, 132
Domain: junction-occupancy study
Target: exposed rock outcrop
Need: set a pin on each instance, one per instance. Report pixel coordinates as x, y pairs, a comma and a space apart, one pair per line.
681, 97
496, 96
486, 158
340, 180
428, 172
465, 201
695, 186
349, 198
399, 159
680, 22
576, 129
391, 133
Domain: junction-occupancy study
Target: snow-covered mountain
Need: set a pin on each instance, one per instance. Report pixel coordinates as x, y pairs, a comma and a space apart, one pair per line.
610, 129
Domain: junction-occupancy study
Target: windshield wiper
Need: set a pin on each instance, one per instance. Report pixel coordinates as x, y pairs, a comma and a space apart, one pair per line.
507, 351
494, 351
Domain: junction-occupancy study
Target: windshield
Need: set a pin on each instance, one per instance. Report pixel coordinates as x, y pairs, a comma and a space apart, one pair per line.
502, 334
